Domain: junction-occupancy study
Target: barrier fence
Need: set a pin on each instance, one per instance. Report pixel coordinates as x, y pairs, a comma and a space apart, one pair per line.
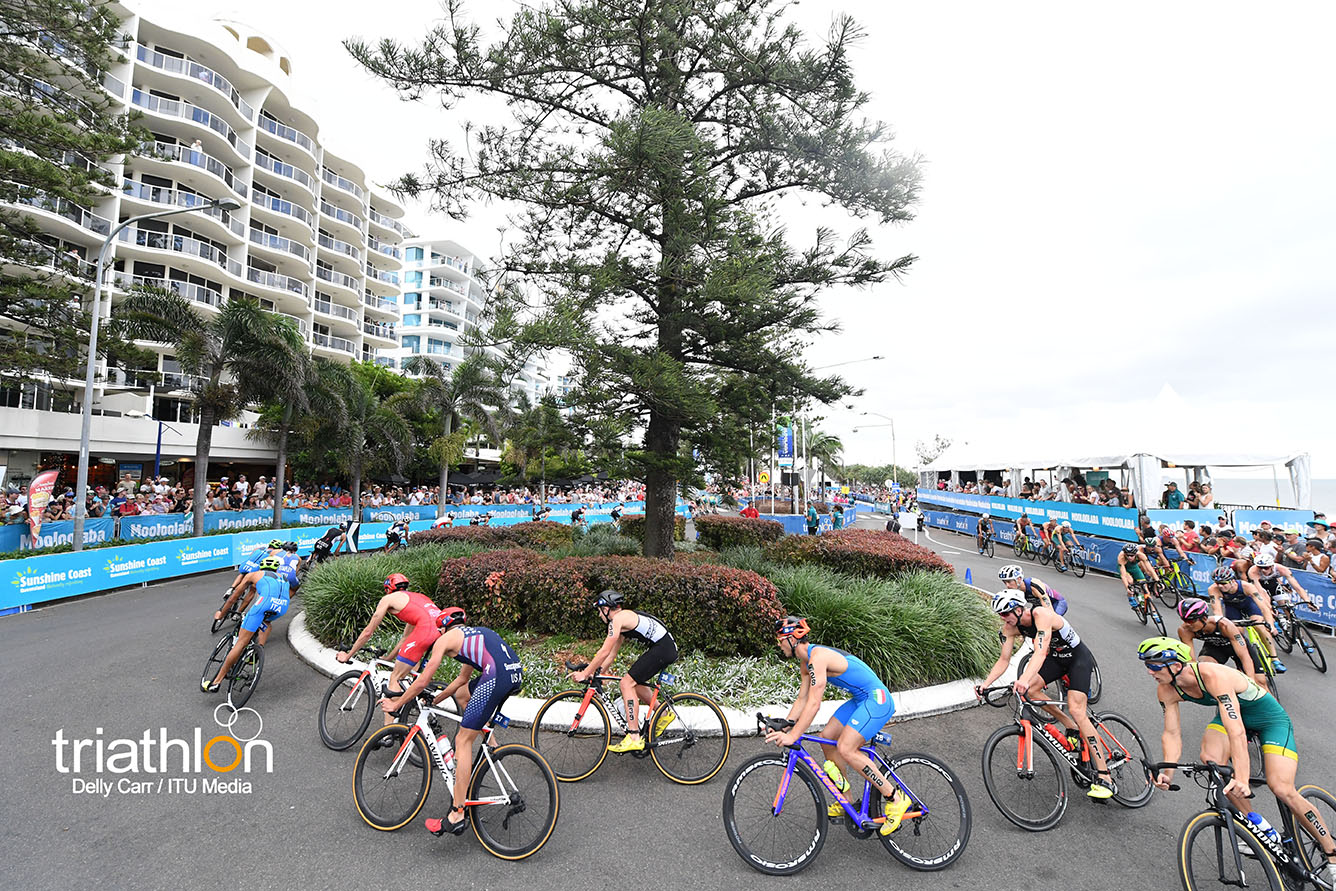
1092, 519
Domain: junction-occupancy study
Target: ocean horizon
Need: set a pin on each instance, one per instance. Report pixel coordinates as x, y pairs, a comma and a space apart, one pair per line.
1262, 492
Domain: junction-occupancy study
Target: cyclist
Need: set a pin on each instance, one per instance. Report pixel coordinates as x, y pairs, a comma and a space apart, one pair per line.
1134, 566
292, 564
1154, 551
444, 522
1243, 707
853, 724
249, 565
1024, 526
1278, 582
1058, 651
499, 674
1221, 640
1065, 542
397, 535
1239, 602
662, 652
984, 532
329, 544
578, 516
1048, 531
272, 594
1036, 592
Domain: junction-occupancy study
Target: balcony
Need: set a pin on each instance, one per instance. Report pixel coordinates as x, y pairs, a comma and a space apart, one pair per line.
330, 308
302, 325
195, 71
339, 182
384, 332
342, 247
180, 244
343, 216
176, 198
279, 282
281, 244
453, 262
168, 151
113, 85
330, 342
388, 223
268, 163
389, 278
280, 205
175, 109
384, 249
63, 207
380, 303
283, 131
336, 278
189, 290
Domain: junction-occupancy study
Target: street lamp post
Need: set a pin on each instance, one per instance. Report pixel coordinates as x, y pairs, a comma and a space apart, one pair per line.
892, 420
81, 490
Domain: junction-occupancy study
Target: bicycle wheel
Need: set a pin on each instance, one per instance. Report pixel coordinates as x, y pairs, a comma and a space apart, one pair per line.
388, 787
694, 742
1154, 614
216, 658
1141, 607
1187, 585
219, 623
1286, 637
777, 843
1205, 860
1124, 750
1310, 852
1053, 690
1033, 796
245, 676
988, 547
1018, 546
1045, 555
1310, 647
1096, 683
517, 827
573, 744
1168, 593
1078, 564
346, 710
937, 836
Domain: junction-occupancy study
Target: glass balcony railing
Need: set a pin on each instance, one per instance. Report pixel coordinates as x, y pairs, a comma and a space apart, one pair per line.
386, 222
197, 71
341, 215
283, 131
177, 109
391, 278
343, 247
191, 291
334, 309
281, 282
333, 343
265, 161
173, 152
279, 205
302, 325
337, 278
339, 182
381, 247
279, 243
379, 303
387, 332
63, 207
181, 244
177, 198
114, 85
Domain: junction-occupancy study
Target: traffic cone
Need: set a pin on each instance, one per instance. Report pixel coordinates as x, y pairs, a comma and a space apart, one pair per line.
968, 578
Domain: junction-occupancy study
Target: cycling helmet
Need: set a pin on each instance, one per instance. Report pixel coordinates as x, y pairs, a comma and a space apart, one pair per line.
275, 543
610, 598
290, 547
451, 616
794, 627
1264, 561
1190, 609
1130, 550
1006, 601
1164, 649
396, 581
1010, 573
271, 564
1223, 574
1066, 524
985, 516
343, 527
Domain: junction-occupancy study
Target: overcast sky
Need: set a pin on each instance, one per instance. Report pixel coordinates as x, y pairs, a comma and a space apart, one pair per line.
1121, 203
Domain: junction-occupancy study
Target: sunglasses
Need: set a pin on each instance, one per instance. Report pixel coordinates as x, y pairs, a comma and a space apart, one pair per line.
1156, 666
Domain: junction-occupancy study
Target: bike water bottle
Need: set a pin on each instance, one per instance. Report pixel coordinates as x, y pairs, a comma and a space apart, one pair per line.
1057, 733
1263, 826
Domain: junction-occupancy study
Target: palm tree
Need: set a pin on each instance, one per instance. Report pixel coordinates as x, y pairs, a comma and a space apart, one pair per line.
230, 358
825, 450
364, 432
468, 392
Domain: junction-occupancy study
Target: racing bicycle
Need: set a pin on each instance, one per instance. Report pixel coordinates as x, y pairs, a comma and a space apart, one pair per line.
1061, 685
244, 676
1293, 631
1025, 546
1175, 583
686, 733
1031, 791
512, 796
775, 813
350, 699
1266, 664
1143, 606
1220, 847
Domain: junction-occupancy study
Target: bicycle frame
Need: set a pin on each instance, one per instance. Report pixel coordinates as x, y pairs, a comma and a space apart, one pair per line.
859, 816
446, 768
595, 686
1080, 759
379, 670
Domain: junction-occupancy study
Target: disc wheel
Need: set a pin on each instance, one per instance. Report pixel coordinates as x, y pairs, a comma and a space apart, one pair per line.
574, 744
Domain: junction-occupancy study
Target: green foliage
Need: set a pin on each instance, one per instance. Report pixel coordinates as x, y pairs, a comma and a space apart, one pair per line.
633, 525
341, 594
600, 540
878, 475
749, 557
717, 532
858, 552
539, 535
919, 628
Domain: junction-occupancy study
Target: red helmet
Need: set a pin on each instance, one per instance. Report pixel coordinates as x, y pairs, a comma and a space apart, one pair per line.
450, 617
396, 581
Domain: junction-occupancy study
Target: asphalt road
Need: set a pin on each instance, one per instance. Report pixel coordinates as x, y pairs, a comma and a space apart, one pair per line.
118, 665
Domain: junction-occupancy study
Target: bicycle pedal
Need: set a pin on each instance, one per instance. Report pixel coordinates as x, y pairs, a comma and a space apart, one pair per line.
640, 753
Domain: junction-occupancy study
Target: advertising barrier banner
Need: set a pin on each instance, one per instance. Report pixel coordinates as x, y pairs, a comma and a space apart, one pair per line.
1245, 521
160, 525
15, 537
502, 514
1092, 519
1174, 518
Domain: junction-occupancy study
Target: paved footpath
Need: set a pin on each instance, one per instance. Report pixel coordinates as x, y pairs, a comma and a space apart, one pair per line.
121, 664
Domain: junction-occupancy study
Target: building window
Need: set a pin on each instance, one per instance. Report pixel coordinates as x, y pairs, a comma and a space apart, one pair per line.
410, 320
410, 342
414, 254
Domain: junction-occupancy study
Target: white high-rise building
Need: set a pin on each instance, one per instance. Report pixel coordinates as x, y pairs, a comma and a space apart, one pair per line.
310, 240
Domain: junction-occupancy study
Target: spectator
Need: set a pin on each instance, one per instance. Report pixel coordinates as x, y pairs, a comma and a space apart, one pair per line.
1292, 555
1316, 558
241, 487
813, 521
1172, 499
1206, 499
1191, 539
261, 487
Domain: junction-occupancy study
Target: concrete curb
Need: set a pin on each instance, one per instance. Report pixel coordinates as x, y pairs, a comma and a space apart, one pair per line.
521, 710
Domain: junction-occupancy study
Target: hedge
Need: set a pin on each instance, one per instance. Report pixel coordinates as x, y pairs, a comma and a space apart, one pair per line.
634, 526
858, 552
536, 534
784, 506
718, 532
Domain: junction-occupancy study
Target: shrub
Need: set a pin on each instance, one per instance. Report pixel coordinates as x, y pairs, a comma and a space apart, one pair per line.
599, 541
634, 526
481, 585
784, 506
858, 552
721, 532
340, 595
749, 557
920, 628
539, 535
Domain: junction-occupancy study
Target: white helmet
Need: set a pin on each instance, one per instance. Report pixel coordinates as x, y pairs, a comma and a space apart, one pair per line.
985, 516
1264, 561
1010, 572
1006, 601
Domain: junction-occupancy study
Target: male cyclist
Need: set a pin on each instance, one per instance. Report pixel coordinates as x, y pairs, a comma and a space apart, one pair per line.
1024, 526
1243, 707
397, 535
291, 564
1277, 581
249, 565
272, 594
1058, 651
1133, 566
499, 674
984, 532
853, 724
444, 522
1036, 593
1240, 602
1048, 531
329, 544
662, 652
1064, 539
1221, 640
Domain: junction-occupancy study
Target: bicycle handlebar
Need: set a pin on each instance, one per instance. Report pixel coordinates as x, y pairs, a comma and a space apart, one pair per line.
576, 666
779, 725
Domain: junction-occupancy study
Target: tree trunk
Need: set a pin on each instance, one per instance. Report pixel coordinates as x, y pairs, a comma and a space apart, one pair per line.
661, 441
356, 483
282, 466
203, 443
442, 497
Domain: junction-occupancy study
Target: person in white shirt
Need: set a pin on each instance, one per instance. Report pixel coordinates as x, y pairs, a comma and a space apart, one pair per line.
261, 487
241, 487
416, 498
